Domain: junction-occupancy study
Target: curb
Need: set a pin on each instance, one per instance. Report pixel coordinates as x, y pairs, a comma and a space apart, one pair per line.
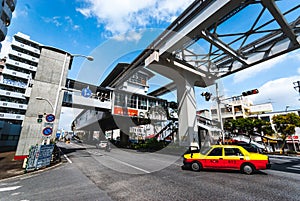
32, 172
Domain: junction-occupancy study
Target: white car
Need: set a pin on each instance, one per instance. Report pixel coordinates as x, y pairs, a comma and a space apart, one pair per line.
101, 145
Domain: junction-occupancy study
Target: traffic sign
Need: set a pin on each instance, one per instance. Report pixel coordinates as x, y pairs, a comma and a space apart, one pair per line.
50, 117
86, 92
40, 118
47, 131
48, 124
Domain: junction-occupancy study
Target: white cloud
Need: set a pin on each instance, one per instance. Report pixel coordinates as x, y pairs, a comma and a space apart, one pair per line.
54, 20
255, 70
121, 16
5, 46
265, 66
279, 92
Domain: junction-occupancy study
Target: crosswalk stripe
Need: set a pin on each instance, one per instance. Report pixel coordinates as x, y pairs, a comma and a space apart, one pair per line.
11, 188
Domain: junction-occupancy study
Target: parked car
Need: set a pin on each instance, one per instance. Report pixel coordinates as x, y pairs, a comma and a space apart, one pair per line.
250, 147
227, 157
101, 145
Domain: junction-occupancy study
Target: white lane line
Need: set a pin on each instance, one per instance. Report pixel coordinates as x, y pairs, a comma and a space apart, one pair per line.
292, 168
66, 157
140, 169
11, 188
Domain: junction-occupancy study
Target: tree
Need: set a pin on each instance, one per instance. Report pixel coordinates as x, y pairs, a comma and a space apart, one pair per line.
285, 126
248, 126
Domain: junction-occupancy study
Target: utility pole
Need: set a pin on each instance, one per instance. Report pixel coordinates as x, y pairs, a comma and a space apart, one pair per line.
219, 112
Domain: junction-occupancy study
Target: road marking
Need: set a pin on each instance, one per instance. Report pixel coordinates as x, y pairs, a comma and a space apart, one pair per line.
11, 188
292, 168
140, 169
67, 158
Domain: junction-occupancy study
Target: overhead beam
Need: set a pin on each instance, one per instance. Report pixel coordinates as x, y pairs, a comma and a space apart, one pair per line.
273, 9
163, 90
222, 46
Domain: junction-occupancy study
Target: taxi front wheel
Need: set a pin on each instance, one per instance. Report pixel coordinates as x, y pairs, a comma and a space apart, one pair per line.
196, 166
247, 169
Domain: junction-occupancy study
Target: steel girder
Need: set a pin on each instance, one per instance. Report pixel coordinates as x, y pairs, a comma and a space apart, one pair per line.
221, 37
223, 44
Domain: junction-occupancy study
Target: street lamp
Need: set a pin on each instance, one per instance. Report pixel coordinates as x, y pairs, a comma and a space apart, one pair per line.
90, 58
45, 99
286, 108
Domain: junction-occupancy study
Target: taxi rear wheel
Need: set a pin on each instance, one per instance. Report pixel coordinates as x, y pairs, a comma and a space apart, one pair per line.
247, 168
196, 166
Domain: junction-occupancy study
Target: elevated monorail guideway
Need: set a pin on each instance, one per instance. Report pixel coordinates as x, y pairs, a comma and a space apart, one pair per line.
215, 38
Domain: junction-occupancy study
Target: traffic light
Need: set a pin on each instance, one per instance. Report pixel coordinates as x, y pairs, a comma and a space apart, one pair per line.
207, 95
247, 93
228, 107
40, 118
173, 105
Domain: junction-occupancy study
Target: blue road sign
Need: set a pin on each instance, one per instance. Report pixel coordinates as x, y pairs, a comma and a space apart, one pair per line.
47, 131
50, 118
86, 92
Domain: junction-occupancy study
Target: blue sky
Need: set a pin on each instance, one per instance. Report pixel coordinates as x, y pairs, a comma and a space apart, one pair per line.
117, 30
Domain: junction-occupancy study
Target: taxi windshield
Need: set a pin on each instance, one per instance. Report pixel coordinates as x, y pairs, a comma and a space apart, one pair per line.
204, 150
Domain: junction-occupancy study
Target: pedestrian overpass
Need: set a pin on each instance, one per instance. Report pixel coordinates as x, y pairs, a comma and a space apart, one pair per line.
210, 40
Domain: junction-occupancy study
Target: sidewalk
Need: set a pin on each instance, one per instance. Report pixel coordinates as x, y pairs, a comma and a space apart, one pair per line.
10, 167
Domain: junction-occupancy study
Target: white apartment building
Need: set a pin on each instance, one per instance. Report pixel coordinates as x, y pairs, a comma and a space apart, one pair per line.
7, 7
16, 74
239, 107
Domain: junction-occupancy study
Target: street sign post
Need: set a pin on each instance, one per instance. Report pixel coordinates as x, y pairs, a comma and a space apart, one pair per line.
50, 117
47, 131
86, 92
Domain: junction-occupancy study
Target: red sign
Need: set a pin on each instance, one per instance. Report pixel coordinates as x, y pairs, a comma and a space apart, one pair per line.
295, 137
125, 111
290, 140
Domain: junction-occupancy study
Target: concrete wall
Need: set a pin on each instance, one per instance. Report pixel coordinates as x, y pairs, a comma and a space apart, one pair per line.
46, 85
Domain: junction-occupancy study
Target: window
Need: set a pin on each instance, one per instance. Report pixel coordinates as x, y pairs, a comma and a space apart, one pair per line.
131, 101
216, 152
4, 137
142, 103
120, 99
152, 103
232, 152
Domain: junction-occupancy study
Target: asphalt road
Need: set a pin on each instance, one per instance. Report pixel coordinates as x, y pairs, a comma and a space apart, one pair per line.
93, 174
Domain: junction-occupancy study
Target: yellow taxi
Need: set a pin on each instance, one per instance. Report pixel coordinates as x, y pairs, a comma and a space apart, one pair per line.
227, 157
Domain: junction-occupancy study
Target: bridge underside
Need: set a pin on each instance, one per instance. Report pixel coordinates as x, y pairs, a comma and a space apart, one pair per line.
212, 39
220, 37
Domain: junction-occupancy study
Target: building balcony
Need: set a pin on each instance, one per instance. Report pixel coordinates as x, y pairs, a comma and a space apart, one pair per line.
11, 4
8, 14
3, 31
6, 104
26, 47
2, 64
21, 65
14, 83
15, 73
24, 56
11, 94
9, 116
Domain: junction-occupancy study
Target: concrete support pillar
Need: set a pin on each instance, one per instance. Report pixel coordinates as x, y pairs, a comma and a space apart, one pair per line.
185, 82
187, 107
51, 75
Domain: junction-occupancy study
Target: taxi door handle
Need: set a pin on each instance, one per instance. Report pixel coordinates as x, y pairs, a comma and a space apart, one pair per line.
221, 158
